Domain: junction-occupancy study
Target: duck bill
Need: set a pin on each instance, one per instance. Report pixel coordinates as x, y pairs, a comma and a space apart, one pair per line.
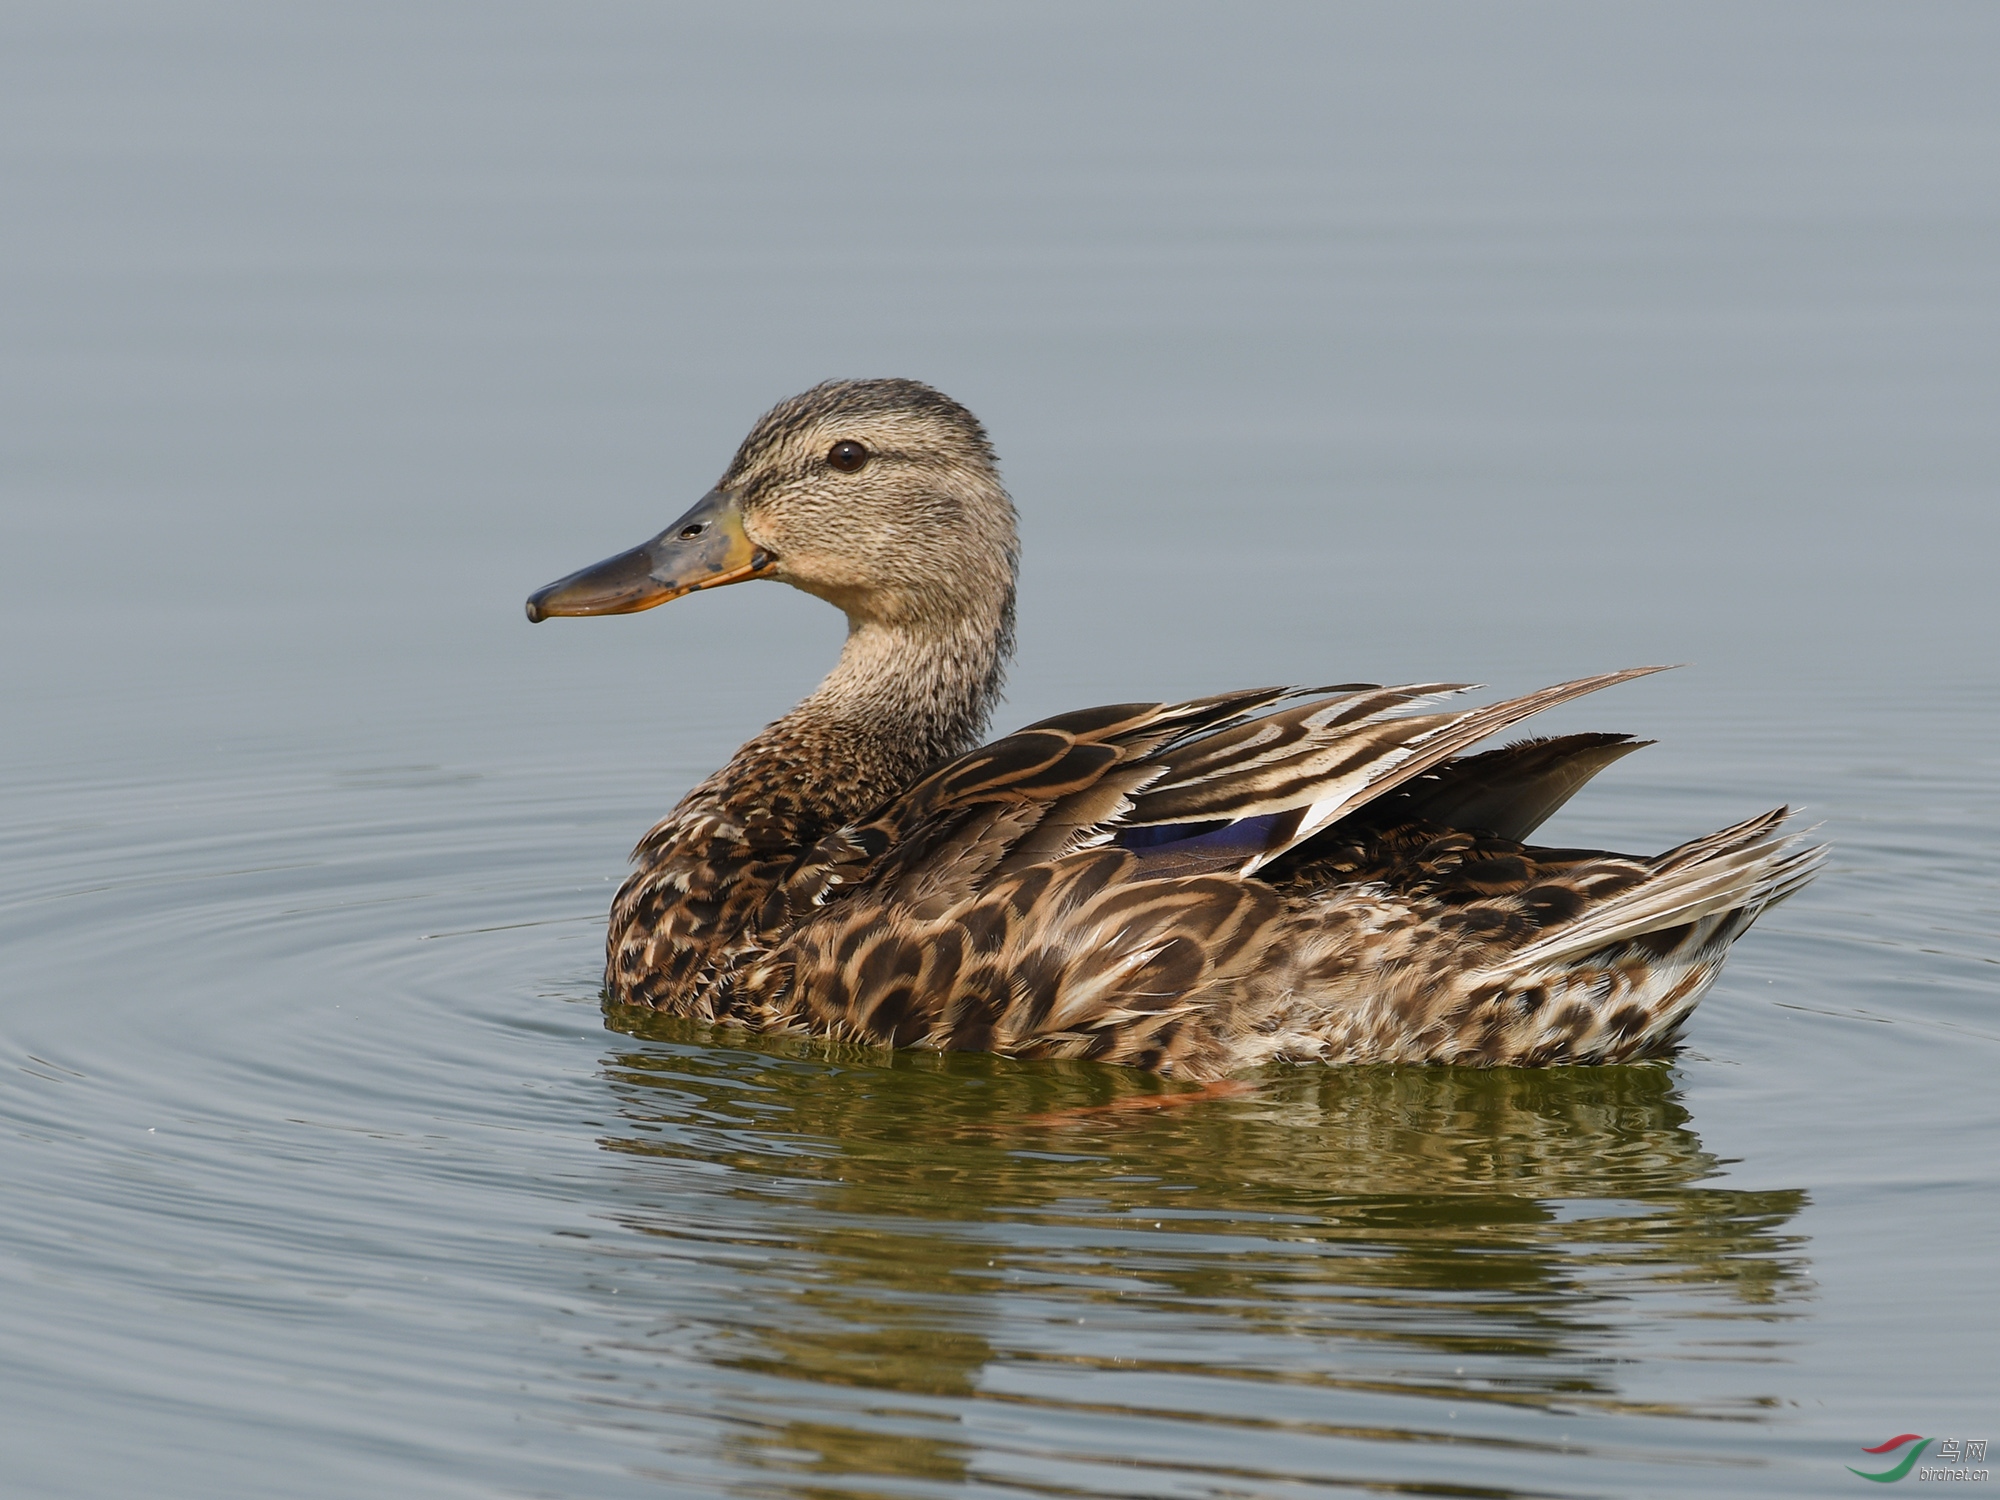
704, 549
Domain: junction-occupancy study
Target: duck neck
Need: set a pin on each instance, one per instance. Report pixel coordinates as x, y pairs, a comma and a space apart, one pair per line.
902, 699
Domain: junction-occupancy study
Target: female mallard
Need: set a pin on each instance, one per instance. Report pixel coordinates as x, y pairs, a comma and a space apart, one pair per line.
1194, 887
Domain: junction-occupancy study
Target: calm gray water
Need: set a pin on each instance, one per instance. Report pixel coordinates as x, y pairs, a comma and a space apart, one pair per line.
1324, 342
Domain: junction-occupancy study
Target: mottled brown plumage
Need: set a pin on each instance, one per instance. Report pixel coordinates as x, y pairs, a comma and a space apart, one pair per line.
1196, 888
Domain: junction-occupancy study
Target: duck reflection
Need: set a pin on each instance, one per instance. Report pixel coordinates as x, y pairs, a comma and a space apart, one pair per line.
933, 1231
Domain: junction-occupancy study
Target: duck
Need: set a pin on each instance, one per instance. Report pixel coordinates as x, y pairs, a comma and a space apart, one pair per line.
1334, 875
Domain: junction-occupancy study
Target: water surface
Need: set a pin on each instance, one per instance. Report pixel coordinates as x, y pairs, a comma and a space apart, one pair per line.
1384, 342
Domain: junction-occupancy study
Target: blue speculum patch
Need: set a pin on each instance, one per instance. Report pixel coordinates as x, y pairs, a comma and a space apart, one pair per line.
1221, 836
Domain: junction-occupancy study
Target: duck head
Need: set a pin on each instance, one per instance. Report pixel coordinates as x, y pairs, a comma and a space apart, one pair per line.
880, 496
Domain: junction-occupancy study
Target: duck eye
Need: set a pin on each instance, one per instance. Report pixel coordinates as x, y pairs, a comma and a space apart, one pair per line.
846, 456
689, 533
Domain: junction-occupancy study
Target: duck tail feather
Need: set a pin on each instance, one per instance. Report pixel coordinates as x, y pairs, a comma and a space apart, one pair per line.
1745, 869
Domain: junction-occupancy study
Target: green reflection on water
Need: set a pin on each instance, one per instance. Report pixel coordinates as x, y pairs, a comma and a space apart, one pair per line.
915, 1236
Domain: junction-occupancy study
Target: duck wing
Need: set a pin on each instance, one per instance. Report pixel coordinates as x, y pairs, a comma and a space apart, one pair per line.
1225, 784
1506, 793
